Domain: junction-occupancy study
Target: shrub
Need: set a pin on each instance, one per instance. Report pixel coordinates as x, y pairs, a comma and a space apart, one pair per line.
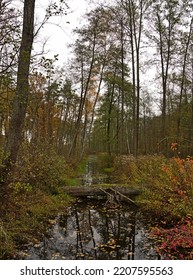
167, 197
176, 242
167, 183
40, 166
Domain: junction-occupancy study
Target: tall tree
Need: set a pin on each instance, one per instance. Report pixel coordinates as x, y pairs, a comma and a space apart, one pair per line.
166, 17
90, 60
186, 48
135, 11
22, 89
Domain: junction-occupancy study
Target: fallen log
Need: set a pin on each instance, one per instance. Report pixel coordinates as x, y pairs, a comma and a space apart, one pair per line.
82, 191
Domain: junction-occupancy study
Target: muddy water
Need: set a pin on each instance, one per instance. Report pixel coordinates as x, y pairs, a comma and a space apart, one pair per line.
95, 229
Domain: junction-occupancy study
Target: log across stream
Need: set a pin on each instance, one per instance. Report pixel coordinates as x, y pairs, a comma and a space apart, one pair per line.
97, 185
109, 227
116, 193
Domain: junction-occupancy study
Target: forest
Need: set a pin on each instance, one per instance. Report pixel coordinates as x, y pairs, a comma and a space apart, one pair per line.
125, 94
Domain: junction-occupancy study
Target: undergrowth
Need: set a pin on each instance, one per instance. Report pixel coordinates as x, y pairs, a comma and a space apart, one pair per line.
167, 196
32, 196
25, 217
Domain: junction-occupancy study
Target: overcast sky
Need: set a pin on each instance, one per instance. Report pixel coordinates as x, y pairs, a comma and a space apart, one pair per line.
58, 32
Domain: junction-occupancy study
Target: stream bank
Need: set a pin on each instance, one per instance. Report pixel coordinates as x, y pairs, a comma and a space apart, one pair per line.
26, 217
96, 228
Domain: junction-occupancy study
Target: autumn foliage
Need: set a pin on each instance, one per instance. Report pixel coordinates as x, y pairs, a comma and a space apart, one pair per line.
167, 198
176, 242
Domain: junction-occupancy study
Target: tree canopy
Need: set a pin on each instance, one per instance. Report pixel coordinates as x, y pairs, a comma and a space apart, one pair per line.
104, 98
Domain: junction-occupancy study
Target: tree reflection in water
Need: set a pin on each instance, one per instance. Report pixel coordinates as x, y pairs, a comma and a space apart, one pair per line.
92, 230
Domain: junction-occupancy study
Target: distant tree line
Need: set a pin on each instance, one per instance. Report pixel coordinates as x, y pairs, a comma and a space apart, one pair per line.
99, 101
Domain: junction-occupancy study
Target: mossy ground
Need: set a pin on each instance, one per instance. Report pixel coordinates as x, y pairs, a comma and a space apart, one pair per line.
25, 218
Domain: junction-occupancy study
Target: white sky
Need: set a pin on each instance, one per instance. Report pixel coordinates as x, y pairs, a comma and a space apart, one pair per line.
58, 32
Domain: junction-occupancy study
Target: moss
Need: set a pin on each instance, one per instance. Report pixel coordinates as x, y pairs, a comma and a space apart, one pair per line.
108, 170
72, 182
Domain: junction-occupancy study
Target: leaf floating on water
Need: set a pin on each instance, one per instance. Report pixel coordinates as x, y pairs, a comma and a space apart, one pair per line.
24, 254
38, 245
52, 222
111, 243
113, 246
80, 255
56, 256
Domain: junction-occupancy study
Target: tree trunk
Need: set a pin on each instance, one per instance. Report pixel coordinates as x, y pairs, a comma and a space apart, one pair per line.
122, 88
164, 72
137, 39
183, 79
83, 96
15, 135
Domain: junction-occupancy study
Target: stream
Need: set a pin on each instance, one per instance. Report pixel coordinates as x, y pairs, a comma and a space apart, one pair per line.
91, 229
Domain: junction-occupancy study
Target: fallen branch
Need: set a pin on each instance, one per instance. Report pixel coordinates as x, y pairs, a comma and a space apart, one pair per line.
124, 196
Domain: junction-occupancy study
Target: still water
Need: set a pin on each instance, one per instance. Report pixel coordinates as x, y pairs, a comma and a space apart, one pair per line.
94, 229
91, 230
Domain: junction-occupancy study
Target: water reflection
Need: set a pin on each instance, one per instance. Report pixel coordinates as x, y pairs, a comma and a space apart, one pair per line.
91, 230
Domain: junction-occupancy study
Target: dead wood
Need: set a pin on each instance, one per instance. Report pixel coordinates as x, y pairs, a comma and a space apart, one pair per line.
82, 191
